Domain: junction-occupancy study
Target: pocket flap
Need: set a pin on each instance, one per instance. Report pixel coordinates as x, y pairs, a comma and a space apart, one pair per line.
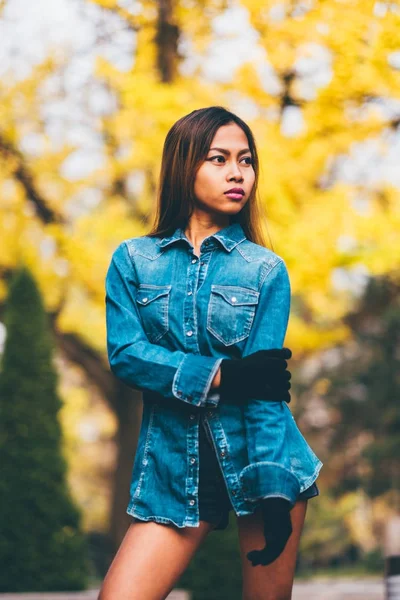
235, 295
148, 293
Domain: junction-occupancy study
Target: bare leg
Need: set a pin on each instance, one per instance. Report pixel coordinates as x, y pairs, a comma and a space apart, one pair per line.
150, 560
273, 581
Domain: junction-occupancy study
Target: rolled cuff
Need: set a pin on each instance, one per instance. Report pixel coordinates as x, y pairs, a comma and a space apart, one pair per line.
267, 479
193, 378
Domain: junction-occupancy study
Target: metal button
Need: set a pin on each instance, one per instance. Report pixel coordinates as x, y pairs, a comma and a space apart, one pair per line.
233, 298
190, 293
223, 452
192, 417
145, 299
189, 333
194, 260
191, 502
206, 243
192, 460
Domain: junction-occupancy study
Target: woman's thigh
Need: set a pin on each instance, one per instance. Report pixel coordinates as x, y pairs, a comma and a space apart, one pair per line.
273, 581
150, 560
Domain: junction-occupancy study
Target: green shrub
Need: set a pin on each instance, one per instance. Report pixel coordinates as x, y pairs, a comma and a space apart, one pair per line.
41, 544
215, 572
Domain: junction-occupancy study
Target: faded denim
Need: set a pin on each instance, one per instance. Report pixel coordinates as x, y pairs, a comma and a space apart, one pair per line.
171, 318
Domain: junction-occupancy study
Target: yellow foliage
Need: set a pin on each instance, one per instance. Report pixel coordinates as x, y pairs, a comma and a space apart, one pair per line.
310, 213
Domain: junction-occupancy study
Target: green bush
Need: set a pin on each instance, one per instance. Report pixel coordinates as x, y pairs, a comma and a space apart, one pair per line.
41, 545
374, 561
215, 571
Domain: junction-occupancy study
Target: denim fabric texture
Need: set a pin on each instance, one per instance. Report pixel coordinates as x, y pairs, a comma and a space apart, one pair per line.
172, 317
214, 503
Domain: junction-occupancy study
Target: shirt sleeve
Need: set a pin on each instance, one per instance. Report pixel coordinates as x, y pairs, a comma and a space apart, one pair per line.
269, 473
139, 363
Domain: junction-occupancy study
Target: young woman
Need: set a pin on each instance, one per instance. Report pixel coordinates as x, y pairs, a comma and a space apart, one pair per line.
197, 312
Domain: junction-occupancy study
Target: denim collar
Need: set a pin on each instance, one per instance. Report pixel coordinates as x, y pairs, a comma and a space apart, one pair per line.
229, 236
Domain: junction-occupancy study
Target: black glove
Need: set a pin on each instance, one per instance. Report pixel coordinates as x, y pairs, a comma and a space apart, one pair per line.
262, 375
277, 530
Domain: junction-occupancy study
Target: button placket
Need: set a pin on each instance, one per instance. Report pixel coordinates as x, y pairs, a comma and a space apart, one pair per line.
223, 455
189, 307
192, 490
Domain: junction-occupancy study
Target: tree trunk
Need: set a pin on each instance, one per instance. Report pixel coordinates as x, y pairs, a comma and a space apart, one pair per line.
126, 403
167, 41
129, 415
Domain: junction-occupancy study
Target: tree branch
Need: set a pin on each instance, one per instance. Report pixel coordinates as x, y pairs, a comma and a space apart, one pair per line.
22, 174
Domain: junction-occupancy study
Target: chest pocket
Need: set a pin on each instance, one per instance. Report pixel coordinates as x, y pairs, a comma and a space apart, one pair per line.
153, 306
231, 312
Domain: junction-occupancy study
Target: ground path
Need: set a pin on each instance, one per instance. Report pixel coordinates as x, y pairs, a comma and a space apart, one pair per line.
326, 589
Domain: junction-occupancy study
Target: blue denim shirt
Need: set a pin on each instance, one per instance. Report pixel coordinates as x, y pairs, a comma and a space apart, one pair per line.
172, 317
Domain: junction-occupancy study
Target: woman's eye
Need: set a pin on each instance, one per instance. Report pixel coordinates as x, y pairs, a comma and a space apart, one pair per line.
217, 156
221, 159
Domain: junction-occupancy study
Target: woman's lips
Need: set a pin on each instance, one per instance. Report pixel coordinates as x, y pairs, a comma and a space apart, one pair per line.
234, 196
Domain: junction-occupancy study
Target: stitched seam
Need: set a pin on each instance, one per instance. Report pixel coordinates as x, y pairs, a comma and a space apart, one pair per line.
266, 463
213, 307
268, 271
145, 452
175, 383
312, 478
132, 510
130, 254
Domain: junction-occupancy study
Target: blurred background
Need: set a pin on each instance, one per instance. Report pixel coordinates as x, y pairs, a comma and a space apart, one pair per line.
89, 90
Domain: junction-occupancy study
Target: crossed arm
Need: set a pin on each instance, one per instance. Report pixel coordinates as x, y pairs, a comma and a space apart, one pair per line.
140, 364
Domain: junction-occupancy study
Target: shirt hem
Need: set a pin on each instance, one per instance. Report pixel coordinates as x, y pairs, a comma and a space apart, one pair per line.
158, 519
308, 482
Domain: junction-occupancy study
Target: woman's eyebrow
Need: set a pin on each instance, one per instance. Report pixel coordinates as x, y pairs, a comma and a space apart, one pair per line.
227, 151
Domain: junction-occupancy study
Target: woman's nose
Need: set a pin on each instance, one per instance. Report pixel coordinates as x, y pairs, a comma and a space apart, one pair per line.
235, 172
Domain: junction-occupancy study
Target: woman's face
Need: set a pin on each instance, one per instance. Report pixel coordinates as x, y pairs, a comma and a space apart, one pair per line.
228, 165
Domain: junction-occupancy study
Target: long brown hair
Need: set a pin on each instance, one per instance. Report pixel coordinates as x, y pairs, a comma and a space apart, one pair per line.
185, 148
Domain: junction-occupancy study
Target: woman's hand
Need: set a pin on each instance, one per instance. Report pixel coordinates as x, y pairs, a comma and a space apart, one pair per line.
262, 375
277, 530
